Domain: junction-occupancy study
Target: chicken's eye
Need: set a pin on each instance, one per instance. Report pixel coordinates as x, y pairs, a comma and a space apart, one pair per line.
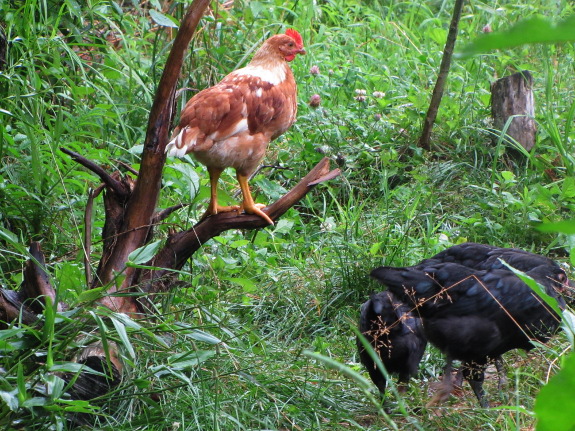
290, 45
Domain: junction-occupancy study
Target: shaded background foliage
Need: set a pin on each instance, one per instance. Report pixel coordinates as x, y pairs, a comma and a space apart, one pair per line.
226, 349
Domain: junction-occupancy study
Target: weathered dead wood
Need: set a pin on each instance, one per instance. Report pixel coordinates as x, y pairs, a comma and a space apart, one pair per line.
512, 100
30, 300
36, 286
14, 309
89, 385
182, 245
141, 205
24, 306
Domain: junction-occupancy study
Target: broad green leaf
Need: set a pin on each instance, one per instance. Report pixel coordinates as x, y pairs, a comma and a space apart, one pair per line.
54, 386
256, 8
539, 290
136, 149
92, 294
565, 226
555, 402
568, 189
10, 398
12, 239
35, 402
283, 226
121, 330
374, 248
198, 335
130, 323
163, 20
190, 175
144, 254
527, 31
438, 35
508, 176
78, 406
239, 243
142, 383
568, 324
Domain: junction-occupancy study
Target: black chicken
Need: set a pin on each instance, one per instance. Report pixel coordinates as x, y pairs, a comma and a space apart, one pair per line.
395, 334
474, 308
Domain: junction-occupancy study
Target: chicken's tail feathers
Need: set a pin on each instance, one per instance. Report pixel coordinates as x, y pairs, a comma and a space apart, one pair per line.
180, 143
385, 274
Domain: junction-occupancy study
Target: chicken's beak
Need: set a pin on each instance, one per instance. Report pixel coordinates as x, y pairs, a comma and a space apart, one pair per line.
301, 51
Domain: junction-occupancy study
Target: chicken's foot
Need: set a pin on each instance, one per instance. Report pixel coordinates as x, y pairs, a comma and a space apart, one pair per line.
248, 204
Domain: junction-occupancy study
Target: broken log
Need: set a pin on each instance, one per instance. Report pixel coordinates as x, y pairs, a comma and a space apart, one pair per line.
512, 102
90, 385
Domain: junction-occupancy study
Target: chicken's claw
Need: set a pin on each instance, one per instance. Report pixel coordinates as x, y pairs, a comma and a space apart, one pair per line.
219, 209
257, 210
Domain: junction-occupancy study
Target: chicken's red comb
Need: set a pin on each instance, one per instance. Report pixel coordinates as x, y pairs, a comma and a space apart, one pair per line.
295, 36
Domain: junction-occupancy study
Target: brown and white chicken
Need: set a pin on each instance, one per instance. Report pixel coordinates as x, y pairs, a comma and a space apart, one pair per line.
232, 123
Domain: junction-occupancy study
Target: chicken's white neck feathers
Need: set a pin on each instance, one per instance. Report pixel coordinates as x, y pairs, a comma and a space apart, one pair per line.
274, 75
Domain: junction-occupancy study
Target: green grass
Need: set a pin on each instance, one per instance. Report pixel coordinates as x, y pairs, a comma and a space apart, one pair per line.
228, 349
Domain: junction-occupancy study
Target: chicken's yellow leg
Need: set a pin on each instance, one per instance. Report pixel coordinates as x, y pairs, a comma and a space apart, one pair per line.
213, 207
248, 204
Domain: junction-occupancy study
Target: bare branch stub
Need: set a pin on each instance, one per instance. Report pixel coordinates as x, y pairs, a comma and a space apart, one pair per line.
36, 286
30, 301
13, 308
110, 181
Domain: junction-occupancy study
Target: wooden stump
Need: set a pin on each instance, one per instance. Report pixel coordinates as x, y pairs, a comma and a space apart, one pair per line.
512, 96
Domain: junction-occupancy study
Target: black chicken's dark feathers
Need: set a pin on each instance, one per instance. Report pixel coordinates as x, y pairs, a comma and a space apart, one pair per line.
395, 334
473, 307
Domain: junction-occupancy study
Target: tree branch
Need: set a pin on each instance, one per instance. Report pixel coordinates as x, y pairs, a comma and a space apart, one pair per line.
182, 245
106, 178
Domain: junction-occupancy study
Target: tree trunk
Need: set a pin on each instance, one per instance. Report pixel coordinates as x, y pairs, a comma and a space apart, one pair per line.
140, 206
513, 108
425, 139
